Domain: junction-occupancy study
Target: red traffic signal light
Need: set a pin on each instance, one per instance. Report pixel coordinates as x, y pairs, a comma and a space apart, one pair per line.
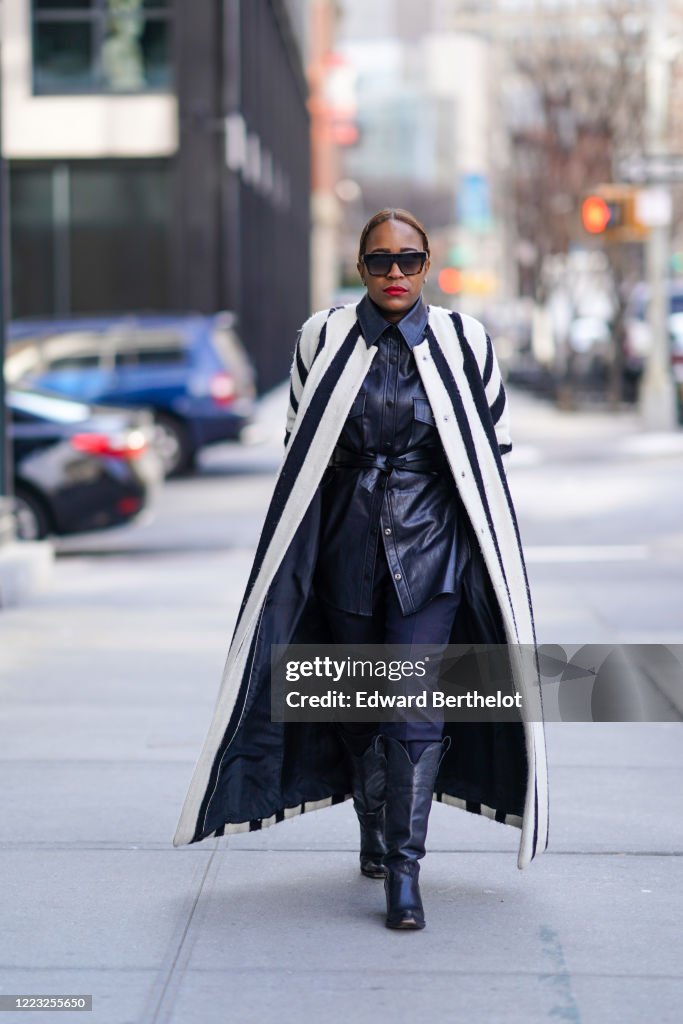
610, 211
450, 280
596, 214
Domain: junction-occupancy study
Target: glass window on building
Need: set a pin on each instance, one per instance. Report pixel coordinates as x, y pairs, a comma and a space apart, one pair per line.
90, 237
101, 46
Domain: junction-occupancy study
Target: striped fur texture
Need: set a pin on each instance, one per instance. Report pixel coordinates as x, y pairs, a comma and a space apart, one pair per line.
462, 380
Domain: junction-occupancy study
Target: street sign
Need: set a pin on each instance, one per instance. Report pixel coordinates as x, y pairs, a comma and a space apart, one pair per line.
474, 203
653, 206
651, 169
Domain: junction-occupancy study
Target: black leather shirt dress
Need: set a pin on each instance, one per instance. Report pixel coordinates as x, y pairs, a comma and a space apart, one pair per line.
371, 496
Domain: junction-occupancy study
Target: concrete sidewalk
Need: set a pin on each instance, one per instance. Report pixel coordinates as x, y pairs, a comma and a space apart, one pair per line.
108, 684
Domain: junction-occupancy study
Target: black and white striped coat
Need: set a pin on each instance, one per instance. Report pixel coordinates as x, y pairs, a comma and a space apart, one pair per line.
499, 771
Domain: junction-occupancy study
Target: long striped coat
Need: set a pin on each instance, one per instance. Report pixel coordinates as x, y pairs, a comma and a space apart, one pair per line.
252, 772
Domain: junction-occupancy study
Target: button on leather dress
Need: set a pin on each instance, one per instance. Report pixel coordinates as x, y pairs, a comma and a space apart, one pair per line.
413, 517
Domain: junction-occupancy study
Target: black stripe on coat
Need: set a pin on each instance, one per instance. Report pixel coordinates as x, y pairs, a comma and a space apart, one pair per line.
499, 404
321, 340
488, 363
449, 383
301, 367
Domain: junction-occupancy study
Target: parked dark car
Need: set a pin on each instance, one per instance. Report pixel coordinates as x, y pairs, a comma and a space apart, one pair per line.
191, 371
525, 372
76, 466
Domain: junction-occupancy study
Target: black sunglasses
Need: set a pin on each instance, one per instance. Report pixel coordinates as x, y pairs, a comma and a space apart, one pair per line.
380, 263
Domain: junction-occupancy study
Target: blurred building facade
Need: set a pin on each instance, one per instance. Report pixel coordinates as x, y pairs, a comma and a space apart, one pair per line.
158, 156
430, 138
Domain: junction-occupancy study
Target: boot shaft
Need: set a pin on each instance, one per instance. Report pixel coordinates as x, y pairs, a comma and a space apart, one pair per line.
369, 775
409, 791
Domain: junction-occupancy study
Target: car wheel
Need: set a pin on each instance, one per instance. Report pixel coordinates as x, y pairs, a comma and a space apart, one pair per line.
172, 444
30, 516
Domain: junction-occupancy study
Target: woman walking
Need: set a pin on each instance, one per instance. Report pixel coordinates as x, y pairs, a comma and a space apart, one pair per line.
391, 522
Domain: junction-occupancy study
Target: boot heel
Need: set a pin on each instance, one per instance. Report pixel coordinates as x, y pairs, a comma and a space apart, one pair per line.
404, 902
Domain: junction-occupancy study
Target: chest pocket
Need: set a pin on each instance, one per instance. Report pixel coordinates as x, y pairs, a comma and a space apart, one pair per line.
358, 405
422, 411
423, 429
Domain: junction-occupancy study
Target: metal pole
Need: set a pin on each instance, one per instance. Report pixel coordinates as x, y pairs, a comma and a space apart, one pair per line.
657, 399
231, 241
3, 413
6, 520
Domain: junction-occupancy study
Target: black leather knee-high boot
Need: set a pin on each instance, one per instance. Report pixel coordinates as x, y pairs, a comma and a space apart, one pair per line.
408, 803
369, 773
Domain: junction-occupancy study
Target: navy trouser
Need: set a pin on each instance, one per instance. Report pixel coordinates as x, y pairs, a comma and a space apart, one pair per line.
431, 624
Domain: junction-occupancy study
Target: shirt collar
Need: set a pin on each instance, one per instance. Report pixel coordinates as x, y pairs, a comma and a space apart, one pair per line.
373, 325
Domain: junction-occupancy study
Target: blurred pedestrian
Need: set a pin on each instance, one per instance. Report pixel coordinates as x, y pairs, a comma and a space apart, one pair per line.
391, 522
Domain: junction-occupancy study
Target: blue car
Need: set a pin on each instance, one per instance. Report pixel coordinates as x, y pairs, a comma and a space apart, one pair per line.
191, 371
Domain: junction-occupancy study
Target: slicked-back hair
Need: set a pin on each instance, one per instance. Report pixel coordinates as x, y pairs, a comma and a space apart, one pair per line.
391, 213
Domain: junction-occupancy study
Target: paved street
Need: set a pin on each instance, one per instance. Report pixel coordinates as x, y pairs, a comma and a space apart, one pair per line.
108, 682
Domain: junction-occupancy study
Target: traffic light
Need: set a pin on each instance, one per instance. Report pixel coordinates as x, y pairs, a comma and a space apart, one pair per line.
597, 214
450, 280
610, 212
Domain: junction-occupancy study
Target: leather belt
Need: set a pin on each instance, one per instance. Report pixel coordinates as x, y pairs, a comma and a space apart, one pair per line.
417, 460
